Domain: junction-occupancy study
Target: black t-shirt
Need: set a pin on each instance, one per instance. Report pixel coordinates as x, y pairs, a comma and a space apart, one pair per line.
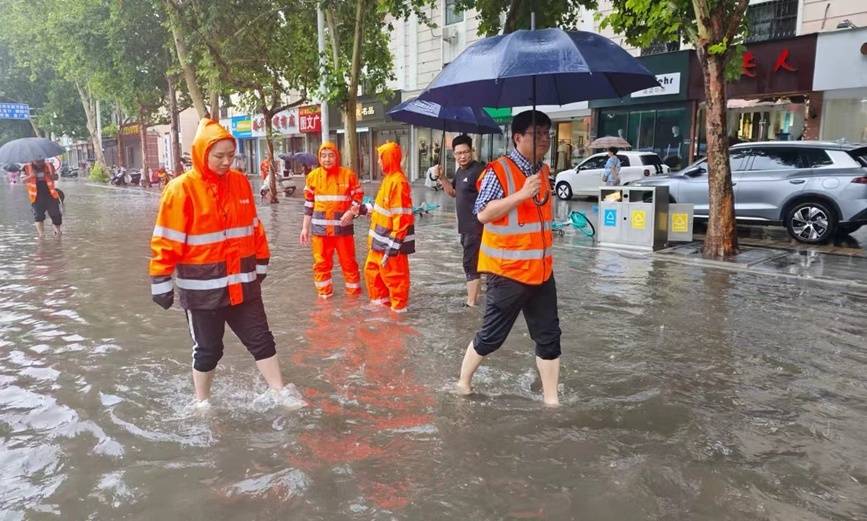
464, 184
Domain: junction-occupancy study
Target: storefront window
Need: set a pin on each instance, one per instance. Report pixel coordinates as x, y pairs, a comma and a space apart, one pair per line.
572, 137
400, 136
663, 131
845, 119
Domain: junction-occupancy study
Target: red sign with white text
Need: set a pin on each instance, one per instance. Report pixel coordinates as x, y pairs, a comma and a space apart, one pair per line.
310, 119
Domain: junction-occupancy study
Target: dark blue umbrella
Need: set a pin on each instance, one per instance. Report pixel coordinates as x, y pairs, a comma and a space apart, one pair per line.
29, 149
305, 158
448, 119
543, 67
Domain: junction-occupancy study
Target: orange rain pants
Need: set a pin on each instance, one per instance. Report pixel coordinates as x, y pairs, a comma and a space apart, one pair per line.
323, 260
387, 284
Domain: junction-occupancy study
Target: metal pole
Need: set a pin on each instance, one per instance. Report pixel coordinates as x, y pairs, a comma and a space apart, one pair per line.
320, 23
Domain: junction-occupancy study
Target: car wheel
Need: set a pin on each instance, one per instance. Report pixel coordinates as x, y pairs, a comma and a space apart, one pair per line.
564, 191
811, 222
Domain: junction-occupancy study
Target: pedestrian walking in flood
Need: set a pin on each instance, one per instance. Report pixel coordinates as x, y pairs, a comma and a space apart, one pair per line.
39, 176
516, 254
464, 188
208, 235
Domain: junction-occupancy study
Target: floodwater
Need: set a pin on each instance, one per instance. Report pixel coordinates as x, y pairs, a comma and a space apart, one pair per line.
689, 393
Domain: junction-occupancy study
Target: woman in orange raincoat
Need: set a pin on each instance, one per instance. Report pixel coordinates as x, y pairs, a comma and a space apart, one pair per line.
392, 235
209, 239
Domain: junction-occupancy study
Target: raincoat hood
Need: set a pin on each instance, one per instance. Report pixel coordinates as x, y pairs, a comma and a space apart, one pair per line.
391, 156
328, 145
208, 133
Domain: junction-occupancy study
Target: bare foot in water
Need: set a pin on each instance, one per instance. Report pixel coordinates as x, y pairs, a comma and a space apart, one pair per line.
463, 389
554, 403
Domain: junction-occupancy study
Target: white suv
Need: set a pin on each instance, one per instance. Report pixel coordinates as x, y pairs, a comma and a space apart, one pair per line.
586, 178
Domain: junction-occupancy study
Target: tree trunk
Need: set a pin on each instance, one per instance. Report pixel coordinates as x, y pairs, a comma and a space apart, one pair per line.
121, 156
352, 95
36, 132
89, 106
269, 140
721, 240
511, 24
184, 59
175, 138
215, 99
142, 136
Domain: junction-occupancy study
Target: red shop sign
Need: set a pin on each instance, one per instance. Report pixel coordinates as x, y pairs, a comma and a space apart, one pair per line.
309, 119
749, 63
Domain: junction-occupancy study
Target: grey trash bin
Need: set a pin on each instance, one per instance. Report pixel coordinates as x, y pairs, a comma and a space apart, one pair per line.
639, 220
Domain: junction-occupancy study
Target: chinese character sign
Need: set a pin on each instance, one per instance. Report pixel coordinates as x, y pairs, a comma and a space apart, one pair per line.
14, 111
309, 119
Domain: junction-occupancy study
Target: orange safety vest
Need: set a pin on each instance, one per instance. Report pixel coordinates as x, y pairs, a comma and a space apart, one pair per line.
31, 183
207, 234
518, 245
327, 196
392, 223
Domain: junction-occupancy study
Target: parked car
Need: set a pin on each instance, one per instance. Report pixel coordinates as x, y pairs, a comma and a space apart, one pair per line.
813, 188
586, 178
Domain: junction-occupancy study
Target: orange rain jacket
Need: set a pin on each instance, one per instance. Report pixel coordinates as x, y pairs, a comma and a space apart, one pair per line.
392, 224
518, 245
207, 234
328, 193
30, 176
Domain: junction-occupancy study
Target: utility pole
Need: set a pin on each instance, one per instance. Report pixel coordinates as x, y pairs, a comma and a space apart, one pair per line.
320, 23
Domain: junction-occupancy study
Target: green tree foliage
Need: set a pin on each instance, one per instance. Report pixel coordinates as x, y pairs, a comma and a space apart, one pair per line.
549, 13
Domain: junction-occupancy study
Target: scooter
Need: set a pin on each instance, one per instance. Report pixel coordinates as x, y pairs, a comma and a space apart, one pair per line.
119, 177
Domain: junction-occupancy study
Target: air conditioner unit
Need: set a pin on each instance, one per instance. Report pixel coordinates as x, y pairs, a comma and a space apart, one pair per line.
450, 34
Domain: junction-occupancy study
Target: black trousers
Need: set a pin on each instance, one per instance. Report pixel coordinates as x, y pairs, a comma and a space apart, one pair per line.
247, 320
46, 203
471, 243
506, 298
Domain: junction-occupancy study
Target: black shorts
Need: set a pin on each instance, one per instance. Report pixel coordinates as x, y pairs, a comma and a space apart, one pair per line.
50, 205
247, 320
505, 299
471, 243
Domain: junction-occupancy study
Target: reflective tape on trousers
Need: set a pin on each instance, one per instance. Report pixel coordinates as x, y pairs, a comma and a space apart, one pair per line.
222, 282
322, 283
261, 268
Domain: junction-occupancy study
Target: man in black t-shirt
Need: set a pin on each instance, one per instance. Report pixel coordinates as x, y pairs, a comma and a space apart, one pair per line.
463, 189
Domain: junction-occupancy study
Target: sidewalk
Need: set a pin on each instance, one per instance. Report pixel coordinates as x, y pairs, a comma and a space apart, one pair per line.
803, 264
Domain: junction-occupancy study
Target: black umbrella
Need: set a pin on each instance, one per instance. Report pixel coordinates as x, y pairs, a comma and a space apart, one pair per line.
29, 149
538, 67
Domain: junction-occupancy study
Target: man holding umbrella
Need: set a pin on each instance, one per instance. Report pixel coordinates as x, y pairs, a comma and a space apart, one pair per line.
515, 252
464, 188
39, 177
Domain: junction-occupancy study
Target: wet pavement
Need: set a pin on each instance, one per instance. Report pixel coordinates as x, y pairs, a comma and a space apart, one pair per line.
690, 391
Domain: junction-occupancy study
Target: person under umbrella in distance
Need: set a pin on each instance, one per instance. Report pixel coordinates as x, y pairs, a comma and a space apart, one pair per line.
516, 254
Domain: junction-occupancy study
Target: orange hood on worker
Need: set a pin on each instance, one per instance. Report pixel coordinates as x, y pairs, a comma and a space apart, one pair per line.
391, 156
328, 145
208, 133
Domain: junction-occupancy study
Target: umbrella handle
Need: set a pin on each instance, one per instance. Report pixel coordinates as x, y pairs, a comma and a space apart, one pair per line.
543, 200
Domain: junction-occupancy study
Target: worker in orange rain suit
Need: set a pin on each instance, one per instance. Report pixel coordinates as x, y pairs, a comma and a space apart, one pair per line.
332, 199
39, 177
392, 236
208, 235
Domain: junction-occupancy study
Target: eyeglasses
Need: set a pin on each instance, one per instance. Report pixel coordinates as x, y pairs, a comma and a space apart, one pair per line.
541, 134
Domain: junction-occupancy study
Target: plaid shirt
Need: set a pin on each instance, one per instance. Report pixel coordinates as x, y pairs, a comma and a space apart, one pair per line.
491, 189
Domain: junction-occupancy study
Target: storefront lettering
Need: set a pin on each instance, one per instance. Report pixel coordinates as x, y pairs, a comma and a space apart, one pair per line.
309, 119
749, 64
782, 62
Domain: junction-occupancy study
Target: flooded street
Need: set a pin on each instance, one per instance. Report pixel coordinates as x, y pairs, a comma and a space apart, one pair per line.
688, 392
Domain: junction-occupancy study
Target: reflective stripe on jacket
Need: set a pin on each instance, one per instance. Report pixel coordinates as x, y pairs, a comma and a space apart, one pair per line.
392, 229
327, 196
207, 234
30, 173
518, 245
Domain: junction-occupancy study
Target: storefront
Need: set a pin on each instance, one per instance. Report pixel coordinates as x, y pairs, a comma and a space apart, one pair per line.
843, 82
773, 98
658, 119
373, 128
287, 134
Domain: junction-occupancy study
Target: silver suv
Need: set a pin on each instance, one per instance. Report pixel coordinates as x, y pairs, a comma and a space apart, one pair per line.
815, 189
